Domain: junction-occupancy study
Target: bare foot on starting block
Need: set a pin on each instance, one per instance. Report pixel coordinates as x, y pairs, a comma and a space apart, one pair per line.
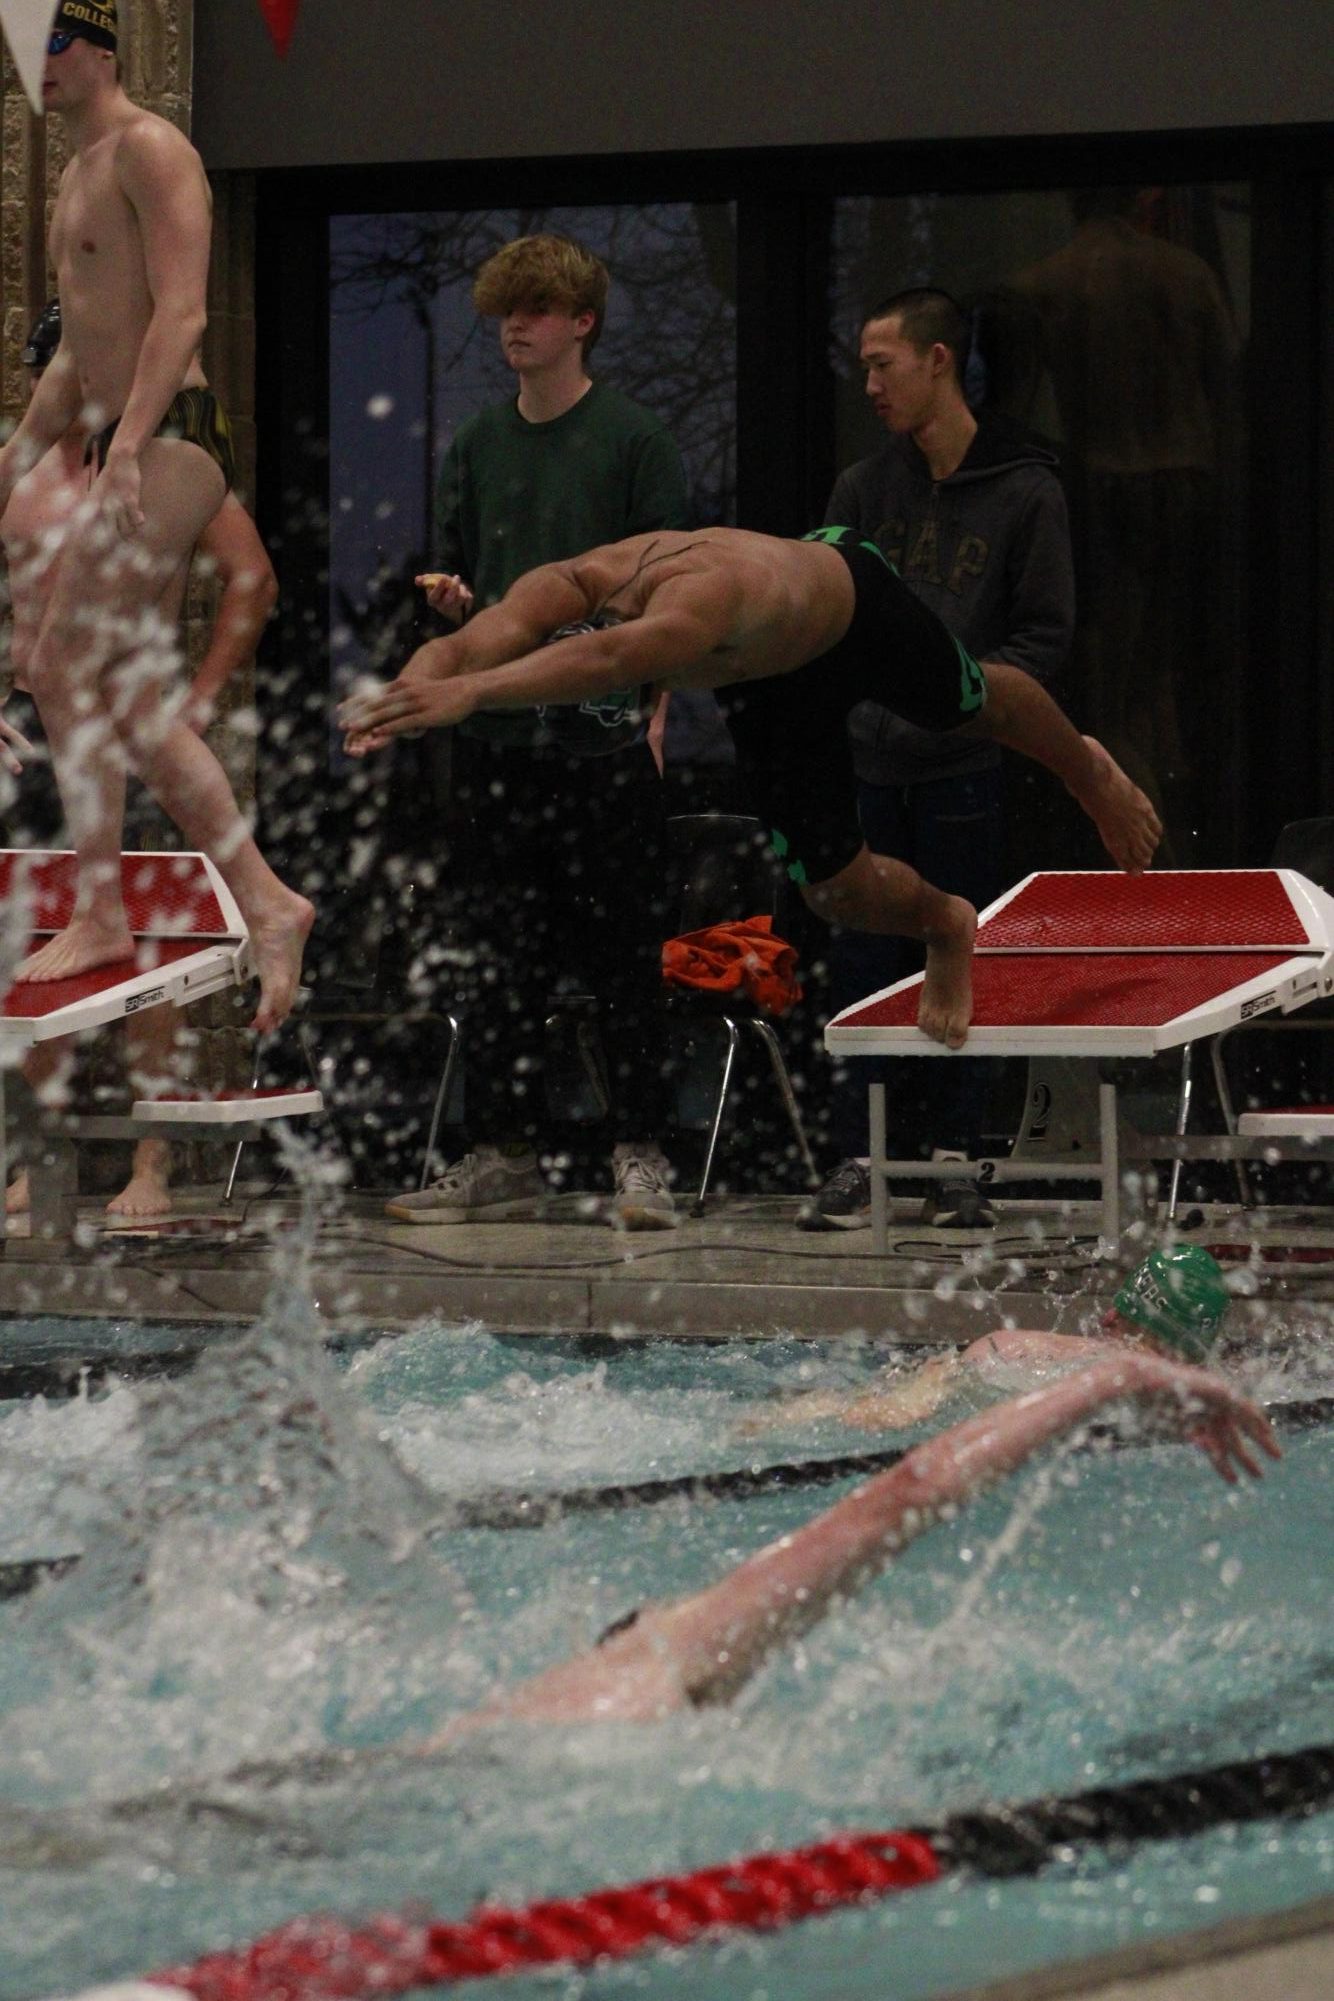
84, 944
148, 1190
277, 941
947, 991
17, 1201
1122, 814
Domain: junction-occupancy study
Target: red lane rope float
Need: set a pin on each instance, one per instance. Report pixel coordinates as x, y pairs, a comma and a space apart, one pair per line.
326, 1959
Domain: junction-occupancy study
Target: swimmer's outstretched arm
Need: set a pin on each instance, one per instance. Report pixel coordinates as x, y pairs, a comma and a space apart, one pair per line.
703, 1648
906, 1400
899, 1402
1020, 714
499, 659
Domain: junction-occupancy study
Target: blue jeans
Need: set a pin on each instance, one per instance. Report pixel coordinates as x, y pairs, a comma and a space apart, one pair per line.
951, 831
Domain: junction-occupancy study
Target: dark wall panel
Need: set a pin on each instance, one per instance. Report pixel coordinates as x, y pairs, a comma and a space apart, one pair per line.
381, 80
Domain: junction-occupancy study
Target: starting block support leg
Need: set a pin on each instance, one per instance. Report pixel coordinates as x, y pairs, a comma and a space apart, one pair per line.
53, 1187
879, 1162
1111, 1169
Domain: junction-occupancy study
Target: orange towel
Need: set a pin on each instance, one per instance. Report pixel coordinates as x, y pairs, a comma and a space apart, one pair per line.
723, 957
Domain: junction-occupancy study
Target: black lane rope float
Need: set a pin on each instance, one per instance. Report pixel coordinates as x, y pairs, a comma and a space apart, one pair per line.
321, 1957
502, 1509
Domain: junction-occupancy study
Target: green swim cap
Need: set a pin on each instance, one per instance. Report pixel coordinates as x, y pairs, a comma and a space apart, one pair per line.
1179, 1296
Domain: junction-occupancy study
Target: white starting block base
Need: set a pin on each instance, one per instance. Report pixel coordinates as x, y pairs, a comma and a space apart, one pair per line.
230, 1108
1304, 1122
1074, 970
190, 940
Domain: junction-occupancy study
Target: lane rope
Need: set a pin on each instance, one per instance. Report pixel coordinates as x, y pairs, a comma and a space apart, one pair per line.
502, 1509
326, 1958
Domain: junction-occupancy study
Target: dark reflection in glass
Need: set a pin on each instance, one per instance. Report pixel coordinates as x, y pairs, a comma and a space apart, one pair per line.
1114, 323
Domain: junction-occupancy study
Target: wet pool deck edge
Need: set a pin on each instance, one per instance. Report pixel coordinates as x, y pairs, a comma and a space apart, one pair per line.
742, 1270
1287, 1956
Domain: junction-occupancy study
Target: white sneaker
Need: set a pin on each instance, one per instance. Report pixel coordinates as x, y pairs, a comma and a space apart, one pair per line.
484, 1187
643, 1198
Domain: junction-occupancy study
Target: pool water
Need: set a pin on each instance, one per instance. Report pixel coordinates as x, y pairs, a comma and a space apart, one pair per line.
272, 1566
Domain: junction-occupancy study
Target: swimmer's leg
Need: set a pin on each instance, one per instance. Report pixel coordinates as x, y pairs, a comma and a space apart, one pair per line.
155, 1071
182, 489
63, 672
1021, 714
878, 894
46, 1070
101, 618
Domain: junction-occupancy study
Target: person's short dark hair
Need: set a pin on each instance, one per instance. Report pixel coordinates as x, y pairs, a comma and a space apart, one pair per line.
926, 316
44, 339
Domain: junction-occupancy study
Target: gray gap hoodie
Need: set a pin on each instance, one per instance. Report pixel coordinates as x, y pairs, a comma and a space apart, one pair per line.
988, 548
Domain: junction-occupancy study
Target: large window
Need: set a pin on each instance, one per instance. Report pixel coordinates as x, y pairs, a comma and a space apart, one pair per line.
1113, 322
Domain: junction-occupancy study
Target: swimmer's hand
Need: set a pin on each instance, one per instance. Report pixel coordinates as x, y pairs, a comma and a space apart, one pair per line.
14, 747
373, 715
1209, 1413
116, 493
450, 596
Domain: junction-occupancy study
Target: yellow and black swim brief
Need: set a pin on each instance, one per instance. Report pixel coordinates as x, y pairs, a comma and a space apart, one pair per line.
193, 414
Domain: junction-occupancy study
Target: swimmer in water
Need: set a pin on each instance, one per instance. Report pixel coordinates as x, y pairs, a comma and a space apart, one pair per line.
700, 1650
796, 633
1172, 1304
695, 1651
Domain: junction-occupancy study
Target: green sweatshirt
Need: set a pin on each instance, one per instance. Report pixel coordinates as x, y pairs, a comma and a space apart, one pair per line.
514, 495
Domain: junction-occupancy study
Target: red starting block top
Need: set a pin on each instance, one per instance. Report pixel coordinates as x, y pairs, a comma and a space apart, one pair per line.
1172, 910
166, 895
189, 940
1115, 965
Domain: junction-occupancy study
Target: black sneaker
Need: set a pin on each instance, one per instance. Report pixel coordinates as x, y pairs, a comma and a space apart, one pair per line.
958, 1205
844, 1203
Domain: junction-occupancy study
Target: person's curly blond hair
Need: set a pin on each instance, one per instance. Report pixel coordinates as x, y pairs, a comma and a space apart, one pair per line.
544, 274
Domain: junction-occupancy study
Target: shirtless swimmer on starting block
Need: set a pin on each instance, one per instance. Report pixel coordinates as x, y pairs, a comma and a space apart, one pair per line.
795, 634
129, 240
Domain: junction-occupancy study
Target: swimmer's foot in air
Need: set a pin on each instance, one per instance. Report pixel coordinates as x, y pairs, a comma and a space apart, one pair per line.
947, 992
85, 943
1123, 815
278, 937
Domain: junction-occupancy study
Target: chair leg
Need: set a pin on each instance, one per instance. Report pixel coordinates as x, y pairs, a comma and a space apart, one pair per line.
733, 1038
789, 1096
240, 1144
1224, 1090
442, 1095
1183, 1119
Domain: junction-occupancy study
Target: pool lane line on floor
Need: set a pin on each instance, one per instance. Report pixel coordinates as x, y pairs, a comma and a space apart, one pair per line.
393, 1952
506, 1510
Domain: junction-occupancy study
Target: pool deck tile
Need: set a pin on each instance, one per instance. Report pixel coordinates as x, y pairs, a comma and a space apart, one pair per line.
1288, 1956
743, 1269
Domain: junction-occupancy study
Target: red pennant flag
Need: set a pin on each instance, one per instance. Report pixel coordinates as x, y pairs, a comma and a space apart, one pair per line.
281, 17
